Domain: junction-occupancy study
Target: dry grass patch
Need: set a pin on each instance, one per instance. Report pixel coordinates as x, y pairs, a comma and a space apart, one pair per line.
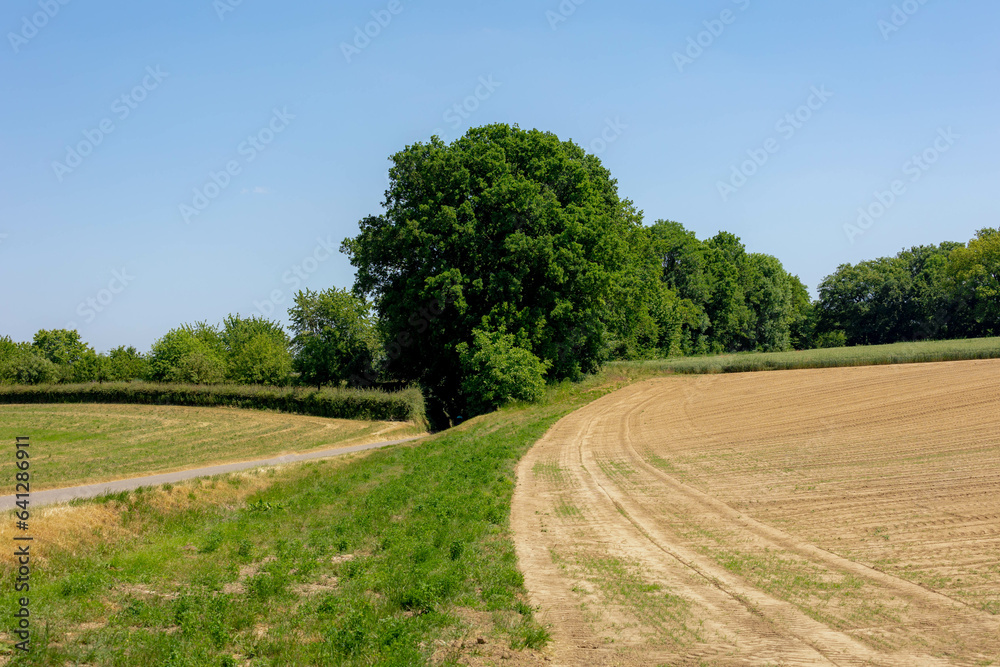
84, 444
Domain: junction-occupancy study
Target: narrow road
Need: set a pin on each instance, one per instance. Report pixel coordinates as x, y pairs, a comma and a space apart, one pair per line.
53, 496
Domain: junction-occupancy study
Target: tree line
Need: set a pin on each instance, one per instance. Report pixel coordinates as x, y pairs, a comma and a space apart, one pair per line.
507, 260
928, 292
332, 337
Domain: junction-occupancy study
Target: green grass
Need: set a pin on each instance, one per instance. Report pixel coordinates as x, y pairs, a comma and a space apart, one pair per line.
84, 444
899, 353
336, 403
398, 549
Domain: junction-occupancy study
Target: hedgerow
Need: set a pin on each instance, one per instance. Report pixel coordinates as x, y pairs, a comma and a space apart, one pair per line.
367, 404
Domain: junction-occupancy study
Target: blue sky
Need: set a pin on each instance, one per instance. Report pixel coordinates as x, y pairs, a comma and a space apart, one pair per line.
673, 96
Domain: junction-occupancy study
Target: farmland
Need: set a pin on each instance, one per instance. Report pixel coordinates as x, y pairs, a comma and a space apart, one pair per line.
84, 444
836, 516
819, 516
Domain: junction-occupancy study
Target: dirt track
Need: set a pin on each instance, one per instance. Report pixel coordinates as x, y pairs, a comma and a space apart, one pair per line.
841, 516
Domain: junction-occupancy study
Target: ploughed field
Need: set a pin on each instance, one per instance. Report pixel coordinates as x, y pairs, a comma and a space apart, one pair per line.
846, 516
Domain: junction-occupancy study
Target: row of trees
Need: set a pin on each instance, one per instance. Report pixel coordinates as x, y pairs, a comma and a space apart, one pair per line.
333, 337
545, 273
507, 260
928, 292
683, 296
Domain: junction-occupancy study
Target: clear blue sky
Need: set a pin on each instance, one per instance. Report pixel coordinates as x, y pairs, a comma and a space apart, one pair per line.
680, 127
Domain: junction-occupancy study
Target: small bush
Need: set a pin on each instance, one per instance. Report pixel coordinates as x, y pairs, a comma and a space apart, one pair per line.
199, 368
831, 339
498, 371
26, 367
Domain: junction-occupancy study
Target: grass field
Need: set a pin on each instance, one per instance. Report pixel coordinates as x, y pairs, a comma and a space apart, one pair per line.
78, 444
399, 557
899, 353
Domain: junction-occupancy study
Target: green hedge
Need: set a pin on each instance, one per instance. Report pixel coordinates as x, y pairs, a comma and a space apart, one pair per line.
407, 405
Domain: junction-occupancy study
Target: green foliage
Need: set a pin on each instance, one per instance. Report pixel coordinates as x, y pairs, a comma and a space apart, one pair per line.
499, 371
726, 299
926, 292
199, 366
60, 346
644, 314
684, 271
976, 270
91, 367
22, 364
189, 354
7, 348
830, 339
505, 224
126, 364
334, 336
257, 351
802, 328
369, 405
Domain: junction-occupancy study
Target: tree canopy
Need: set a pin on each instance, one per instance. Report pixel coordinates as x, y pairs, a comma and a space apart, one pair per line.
334, 337
502, 230
927, 292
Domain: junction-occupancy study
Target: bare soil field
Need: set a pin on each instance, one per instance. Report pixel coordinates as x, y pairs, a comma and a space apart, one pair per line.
846, 516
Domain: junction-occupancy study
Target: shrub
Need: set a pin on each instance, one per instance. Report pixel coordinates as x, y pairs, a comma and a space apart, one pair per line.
169, 357
24, 366
498, 371
198, 367
831, 339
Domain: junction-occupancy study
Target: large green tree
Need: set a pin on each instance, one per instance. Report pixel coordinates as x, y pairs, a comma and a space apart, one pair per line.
644, 316
504, 229
60, 346
334, 337
683, 263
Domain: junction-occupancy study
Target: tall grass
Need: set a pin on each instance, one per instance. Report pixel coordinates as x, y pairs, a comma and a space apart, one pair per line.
875, 355
372, 405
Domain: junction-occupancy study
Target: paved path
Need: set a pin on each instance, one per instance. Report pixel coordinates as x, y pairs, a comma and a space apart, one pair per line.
53, 496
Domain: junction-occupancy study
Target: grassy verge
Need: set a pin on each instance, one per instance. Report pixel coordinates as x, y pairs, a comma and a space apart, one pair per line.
899, 353
337, 403
85, 444
401, 557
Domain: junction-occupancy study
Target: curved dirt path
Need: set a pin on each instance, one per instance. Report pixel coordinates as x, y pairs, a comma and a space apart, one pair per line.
53, 496
828, 517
